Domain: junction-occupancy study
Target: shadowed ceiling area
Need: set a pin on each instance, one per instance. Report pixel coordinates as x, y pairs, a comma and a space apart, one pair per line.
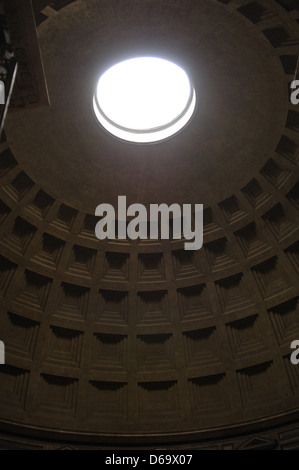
143, 340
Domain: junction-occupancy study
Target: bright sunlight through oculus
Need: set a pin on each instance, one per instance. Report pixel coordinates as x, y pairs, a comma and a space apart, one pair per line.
145, 99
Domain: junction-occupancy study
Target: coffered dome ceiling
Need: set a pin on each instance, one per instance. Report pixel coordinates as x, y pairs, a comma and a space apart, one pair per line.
144, 339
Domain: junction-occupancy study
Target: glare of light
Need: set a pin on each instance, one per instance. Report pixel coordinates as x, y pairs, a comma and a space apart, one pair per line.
144, 99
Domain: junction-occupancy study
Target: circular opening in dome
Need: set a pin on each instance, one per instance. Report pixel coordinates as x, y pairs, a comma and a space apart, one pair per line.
145, 99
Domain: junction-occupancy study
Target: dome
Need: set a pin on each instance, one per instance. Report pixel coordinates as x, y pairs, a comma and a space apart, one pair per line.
127, 342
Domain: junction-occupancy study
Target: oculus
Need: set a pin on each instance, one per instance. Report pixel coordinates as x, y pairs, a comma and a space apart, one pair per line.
144, 99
